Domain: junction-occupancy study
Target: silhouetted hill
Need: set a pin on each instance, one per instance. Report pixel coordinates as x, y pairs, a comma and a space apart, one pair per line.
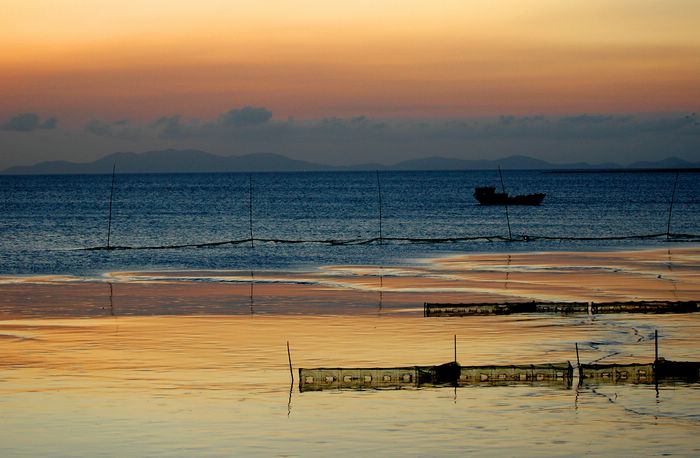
668, 163
444, 163
172, 161
195, 161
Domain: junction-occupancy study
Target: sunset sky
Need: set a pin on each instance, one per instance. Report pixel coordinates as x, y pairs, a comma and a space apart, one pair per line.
80, 79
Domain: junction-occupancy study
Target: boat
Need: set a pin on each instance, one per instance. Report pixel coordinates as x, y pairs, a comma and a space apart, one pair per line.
487, 195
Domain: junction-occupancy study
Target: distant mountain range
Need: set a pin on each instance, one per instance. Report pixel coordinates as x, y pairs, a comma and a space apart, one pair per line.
195, 161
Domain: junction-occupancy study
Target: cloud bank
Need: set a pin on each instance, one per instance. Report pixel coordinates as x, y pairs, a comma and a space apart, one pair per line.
257, 123
584, 137
28, 122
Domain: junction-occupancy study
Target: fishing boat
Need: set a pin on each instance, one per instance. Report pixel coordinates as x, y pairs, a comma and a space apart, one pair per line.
487, 195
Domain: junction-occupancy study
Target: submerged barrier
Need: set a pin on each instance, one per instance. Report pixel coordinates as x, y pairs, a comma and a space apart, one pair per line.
508, 308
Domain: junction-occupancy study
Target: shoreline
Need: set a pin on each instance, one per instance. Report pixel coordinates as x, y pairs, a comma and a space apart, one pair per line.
652, 274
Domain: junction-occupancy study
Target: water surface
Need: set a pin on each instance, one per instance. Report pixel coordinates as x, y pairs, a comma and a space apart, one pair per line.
220, 386
44, 218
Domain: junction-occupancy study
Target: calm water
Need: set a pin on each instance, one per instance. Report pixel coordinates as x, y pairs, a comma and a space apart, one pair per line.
220, 386
43, 219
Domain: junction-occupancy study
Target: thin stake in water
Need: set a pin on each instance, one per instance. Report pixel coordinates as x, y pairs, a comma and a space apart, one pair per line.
656, 346
252, 241
250, 208
289, 356
291, 384
503, 190
670, 208
252, 293
111, 299
656, 361
379, 195
578, 364
111, 196
381, 288
455, 348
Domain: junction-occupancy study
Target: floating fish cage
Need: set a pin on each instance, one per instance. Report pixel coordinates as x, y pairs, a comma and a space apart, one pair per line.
453, 374
617, 373
508, 308
549, 374
449, 374
357, 378
661, 371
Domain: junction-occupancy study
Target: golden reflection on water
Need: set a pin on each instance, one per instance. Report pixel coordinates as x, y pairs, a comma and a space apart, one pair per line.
214, 350
171, 366
220, 385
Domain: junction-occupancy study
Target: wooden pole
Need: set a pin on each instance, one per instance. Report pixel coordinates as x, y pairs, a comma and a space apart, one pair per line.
250, 208
381, 288
289, 356
111, 299
656, 346
503, 189
670, 208
455, 348
252, 241
379, 194
111, 196
252, 295
578, 363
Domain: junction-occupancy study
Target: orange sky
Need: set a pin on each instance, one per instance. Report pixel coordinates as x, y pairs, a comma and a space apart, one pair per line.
141, 59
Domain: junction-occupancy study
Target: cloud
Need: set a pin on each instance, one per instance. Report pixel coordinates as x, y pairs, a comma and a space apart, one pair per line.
170, 127
50, 123
99, 128
591, 119
251, 125
255, 125
350, 140
241, 130
27, 122
579, 127
121, 128
244, 117
688, 123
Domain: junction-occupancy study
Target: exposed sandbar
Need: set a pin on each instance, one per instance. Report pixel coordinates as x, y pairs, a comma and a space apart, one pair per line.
661, 274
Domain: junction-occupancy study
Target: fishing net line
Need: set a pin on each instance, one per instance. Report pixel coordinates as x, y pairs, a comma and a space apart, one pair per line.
381, 239
672, 237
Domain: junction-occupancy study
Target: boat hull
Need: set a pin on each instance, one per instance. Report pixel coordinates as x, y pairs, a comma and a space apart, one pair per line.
488, 196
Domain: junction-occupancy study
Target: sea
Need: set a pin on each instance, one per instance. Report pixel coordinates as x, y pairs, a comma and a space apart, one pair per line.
186, 338
301, 220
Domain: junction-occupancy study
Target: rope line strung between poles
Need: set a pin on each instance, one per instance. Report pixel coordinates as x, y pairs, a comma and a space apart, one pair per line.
417, 240
382, 238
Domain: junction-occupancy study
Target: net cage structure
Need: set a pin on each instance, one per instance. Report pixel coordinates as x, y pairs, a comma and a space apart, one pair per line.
452, 374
